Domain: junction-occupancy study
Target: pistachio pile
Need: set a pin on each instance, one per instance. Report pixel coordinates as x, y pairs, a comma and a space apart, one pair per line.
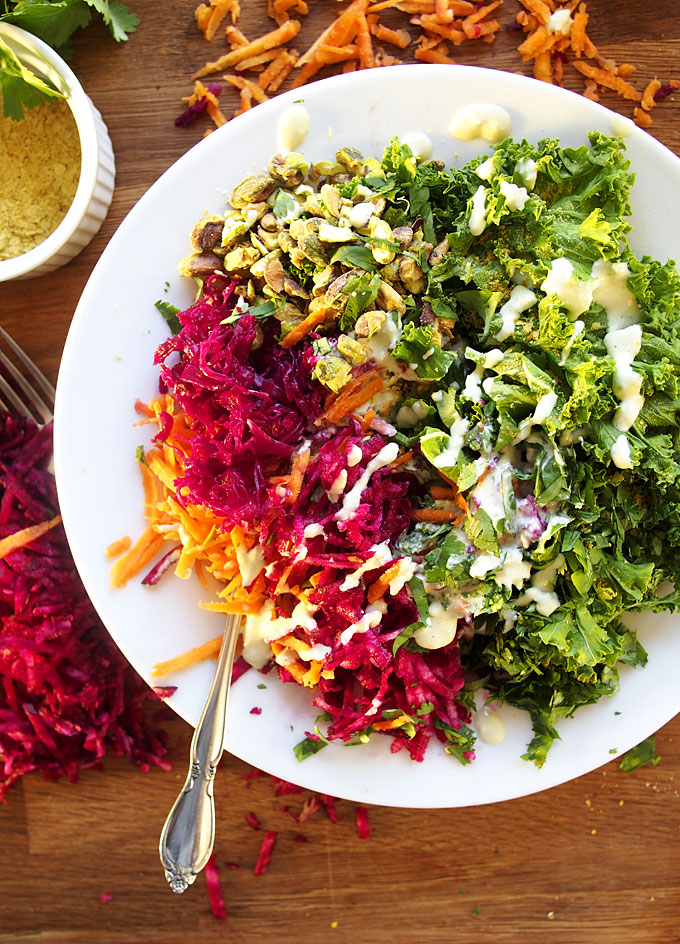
311, 240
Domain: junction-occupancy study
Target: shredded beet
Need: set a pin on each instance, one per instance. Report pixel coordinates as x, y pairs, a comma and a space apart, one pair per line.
265, 855
193, 111
299, 838
165, 691
252, 820
106, 897
363, 826
255, 711
67, 696
667, 89
328, 803
212, 880
163, 565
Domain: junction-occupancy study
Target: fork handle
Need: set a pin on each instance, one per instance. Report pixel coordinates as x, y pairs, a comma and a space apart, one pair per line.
189, 832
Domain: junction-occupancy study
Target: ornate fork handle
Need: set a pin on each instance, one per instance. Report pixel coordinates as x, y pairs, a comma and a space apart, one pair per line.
189, 831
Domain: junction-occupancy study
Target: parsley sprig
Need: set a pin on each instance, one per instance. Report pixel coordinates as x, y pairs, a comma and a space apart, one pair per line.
53, 21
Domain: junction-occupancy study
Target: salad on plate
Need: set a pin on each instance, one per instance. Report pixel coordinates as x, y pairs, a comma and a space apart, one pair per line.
420, 427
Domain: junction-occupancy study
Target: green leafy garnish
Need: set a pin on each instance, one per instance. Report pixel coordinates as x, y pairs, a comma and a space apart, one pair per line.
53, 21
169, 313
308, 747
644, 753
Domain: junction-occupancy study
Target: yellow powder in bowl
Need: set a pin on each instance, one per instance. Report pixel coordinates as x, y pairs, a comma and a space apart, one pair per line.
39, 171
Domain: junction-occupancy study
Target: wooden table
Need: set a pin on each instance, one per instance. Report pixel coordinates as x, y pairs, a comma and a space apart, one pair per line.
596, 861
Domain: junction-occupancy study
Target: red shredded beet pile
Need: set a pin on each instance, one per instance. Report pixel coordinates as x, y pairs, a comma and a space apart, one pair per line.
67, 696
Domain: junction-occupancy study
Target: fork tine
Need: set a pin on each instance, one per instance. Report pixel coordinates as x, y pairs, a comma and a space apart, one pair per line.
12, 401
36, 400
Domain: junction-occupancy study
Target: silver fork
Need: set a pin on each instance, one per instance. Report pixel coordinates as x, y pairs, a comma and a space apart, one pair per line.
24, 389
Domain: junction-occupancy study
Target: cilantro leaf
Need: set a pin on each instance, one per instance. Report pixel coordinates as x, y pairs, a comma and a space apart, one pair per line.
169, 313
120, 21
53, 21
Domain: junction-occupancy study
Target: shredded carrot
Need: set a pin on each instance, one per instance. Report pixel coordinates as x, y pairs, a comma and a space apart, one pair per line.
543, 66
137, 557
240, 83
369, 416
269, 41
302, 329
537, 42
442, 12
235, 37
435, 515
249, 65
434, 55
403, 458
608, 80
276, 83
399, 37
271, 72
648, 101
380, 587
339, 33
352, 397
21, 538
393, 723
641, 117
443, 492
116, 548
209, 650
539, 9
297, 474
578, 31
364, 43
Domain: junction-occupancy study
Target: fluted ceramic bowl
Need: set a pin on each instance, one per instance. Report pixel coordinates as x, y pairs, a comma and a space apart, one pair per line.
97, 168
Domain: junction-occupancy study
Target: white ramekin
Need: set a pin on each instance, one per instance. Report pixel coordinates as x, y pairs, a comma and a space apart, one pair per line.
97, 168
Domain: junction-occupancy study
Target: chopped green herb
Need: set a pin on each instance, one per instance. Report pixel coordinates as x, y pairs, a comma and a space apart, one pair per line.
307, 747
169, 313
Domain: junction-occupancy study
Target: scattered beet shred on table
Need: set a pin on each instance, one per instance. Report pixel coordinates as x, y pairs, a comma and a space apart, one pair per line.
67, 695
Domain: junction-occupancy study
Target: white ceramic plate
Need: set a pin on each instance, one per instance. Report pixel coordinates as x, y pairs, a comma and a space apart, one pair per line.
107, 363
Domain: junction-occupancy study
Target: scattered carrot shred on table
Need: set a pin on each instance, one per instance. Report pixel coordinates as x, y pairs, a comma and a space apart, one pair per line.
351, 41
553, 32
556, 37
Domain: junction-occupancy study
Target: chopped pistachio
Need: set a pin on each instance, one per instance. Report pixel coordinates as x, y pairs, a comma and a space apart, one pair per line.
331, 198
242, 257
439, 252
389, 299
351, 349
326, 169
350, 158
380, 230
290, 169
312, 247
234, 227
412, 276
291, 287
332, 372
368, 323
254, 188
335, 234
207, 233
273, 272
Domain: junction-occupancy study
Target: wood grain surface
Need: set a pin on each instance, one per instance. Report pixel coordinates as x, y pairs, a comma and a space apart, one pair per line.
596, 861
